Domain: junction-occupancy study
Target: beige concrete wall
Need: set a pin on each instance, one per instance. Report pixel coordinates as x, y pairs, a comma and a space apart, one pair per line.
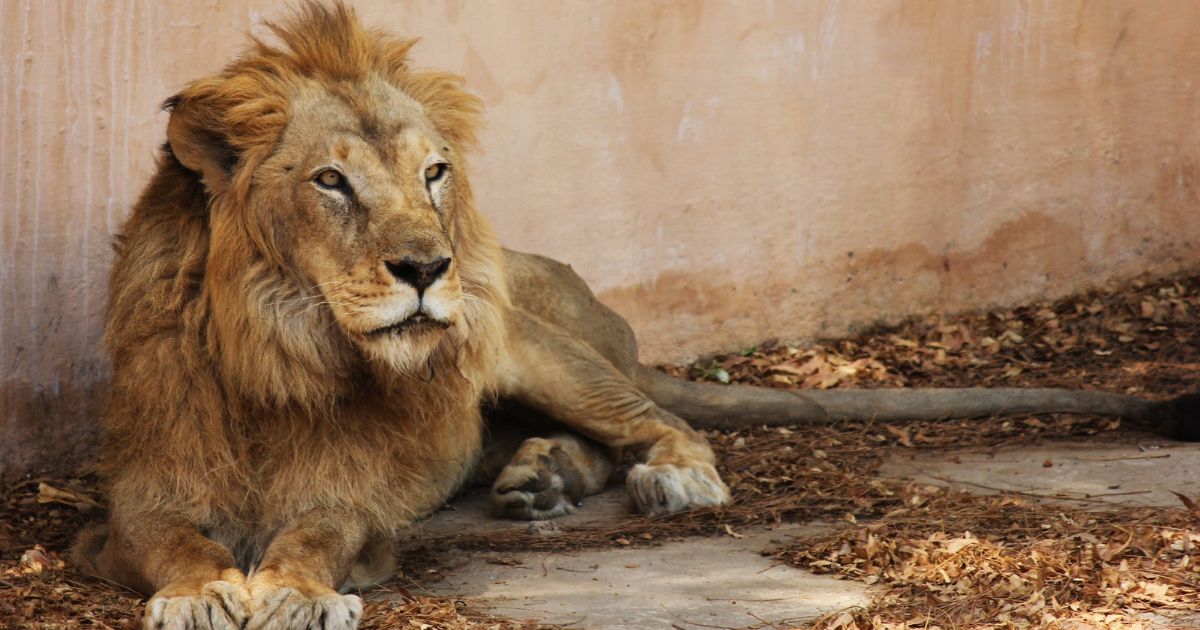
720, 172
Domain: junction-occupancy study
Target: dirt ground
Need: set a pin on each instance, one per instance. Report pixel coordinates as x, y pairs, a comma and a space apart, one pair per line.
934, 554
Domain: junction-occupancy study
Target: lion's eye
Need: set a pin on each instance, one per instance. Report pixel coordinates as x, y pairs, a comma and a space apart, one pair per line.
331, 179
434, 172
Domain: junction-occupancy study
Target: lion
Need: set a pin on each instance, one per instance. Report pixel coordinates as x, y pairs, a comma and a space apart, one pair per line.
308, 317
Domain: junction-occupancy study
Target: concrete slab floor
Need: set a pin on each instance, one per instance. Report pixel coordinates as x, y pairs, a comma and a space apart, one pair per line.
693, 583
727, 582
1135, 474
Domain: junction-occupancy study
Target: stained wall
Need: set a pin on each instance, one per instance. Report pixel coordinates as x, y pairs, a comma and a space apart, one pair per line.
720, 172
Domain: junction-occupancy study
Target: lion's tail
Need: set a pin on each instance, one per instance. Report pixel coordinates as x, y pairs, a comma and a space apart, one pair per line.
708, 405
1180, 418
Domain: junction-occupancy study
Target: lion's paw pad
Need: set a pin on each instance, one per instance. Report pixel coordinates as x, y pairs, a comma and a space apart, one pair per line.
287, 609
219, 606
530, 492
666, 488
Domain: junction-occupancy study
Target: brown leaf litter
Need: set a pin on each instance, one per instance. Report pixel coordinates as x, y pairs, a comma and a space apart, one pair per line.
935, 557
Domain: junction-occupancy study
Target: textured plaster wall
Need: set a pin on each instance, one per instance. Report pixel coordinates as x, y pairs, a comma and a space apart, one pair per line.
719, 172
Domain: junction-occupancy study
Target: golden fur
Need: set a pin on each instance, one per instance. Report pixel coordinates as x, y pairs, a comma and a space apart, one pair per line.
271, 405
216, 341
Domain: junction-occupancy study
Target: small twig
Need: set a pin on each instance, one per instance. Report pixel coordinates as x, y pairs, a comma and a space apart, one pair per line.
1119, 459
1067, 497
1116, 494
747, 599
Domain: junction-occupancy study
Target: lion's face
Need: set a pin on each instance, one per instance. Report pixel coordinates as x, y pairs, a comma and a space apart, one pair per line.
361, 192
338, 220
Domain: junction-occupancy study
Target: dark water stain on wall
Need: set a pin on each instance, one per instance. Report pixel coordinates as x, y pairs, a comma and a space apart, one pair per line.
1033, 257
49, 429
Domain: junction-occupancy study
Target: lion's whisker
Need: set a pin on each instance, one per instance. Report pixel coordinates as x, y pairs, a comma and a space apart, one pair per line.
306, 309
340, 284
297, 299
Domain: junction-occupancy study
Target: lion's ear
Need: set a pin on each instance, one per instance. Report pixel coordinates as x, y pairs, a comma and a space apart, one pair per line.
196, 135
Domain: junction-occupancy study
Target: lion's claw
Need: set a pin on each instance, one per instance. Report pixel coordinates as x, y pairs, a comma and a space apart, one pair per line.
286, 609
219, 606
666, 488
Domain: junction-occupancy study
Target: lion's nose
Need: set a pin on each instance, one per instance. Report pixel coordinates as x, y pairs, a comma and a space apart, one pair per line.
418, 274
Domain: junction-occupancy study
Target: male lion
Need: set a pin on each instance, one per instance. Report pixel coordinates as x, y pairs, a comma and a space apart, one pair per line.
306, 313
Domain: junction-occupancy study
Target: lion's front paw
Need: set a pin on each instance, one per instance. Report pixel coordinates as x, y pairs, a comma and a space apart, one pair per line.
219, 606
667, 488
286, 609
534, 491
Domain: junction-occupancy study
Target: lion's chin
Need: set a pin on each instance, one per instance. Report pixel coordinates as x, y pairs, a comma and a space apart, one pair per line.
403, 347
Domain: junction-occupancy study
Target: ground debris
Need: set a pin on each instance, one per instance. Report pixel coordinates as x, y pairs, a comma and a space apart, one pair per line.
427, 613
936, 557
1139, 338
956, 560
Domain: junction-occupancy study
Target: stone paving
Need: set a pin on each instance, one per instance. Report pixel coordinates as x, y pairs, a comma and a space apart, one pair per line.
727, 582
694, 583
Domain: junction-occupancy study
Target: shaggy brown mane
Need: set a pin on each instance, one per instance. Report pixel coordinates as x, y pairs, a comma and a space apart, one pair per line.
248, 103
217, 344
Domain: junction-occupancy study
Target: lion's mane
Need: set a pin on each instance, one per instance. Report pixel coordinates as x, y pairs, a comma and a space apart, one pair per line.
231, 383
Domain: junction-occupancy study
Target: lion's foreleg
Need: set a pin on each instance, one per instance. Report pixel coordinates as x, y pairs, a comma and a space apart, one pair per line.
296, 583
190, 576
569, 381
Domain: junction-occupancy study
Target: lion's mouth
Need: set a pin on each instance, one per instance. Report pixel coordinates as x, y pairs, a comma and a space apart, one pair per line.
419, 322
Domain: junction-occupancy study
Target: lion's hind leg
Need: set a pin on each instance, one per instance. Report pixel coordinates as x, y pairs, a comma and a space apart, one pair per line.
567, 380
374, 564
549, 477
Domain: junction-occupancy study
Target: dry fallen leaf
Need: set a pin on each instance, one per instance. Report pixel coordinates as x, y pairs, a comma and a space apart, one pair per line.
49, 494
